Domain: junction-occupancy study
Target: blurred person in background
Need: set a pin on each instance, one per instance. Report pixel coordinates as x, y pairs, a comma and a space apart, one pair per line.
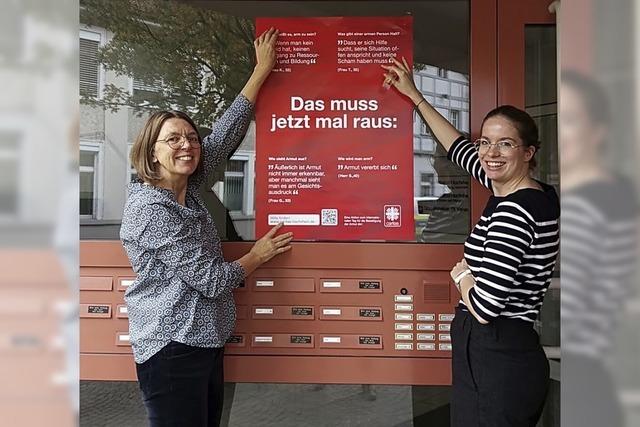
500, 372
598, 254
181, 309
449, 215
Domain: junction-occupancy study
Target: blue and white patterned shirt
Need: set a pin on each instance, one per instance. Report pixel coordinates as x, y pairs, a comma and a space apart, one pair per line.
183, 288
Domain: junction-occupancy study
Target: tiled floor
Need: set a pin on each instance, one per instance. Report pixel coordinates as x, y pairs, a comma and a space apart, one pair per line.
119, 404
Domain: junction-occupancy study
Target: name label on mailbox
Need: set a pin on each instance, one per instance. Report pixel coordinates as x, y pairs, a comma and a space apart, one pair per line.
331, 284
301, 311
235, 339
368, 340
98, 309
264, 283
370, 312
369, 284
300, 339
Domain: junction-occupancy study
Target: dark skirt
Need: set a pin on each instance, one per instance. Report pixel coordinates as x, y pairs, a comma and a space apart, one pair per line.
500, 373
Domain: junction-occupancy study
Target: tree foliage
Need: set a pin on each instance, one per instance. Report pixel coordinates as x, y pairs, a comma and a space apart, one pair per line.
188, 58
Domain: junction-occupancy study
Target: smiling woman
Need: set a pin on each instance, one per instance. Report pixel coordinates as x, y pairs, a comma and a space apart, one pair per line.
170, 129
180, 306
500, 372
508, 160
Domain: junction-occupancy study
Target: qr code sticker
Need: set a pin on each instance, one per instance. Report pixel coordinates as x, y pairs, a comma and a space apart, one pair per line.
329, 217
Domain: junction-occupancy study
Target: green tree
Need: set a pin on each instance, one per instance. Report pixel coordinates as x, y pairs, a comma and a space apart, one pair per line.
195, 59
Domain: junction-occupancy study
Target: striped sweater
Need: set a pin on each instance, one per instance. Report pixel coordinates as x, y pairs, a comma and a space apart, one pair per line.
512, 249
598, 266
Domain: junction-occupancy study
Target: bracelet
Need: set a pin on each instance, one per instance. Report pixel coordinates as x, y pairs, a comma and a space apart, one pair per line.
418, 104
458, 279
460, 276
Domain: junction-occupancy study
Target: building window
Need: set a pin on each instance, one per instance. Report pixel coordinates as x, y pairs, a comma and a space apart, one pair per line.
89, 66
428, 84
456, 90
9, 147
424, 129
427, 184
416, 144
89, 161
455, 118
147, 90
428, 145
442, 73
234, 187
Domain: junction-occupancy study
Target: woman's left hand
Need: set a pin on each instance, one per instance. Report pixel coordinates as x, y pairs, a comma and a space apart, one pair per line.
459, 268
265, 46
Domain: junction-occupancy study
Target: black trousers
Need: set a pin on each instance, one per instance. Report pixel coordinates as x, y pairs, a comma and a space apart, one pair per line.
183, 386
500, 373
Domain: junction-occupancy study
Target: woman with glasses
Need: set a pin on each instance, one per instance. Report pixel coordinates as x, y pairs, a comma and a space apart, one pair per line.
180, 307
500, 371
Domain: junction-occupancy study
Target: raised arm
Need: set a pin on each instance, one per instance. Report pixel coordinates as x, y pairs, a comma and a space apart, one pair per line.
400, 76
230, 129
459, 149
265, 47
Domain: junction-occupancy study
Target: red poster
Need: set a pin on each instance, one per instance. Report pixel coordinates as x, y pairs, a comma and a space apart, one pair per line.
334, 151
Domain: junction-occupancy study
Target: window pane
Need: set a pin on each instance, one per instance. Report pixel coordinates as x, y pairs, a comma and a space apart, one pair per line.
427, 84
235, 166
541, 97
86, 193
234, 182
87, 158
541, 103
89, 67
233, 190
455, 119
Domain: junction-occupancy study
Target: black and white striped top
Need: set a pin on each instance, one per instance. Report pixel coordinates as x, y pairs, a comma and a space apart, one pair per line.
598, 266
512, 249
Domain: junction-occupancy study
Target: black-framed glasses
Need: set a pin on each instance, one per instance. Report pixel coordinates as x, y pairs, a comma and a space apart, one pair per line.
175, 141
504, 145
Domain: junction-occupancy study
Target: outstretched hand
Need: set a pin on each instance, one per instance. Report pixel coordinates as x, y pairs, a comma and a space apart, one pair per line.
265, 46
271, 244
399, 75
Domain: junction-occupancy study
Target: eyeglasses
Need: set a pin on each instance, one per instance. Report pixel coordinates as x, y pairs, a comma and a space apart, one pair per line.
504, 145
175, 141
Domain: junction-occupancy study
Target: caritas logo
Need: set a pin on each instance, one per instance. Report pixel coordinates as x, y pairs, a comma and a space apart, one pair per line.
392, 215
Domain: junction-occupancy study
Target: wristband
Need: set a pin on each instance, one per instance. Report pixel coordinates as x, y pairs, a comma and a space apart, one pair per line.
460, 276
418, 104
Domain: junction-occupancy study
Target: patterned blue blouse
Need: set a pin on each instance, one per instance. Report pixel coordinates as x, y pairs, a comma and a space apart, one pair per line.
183, 288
